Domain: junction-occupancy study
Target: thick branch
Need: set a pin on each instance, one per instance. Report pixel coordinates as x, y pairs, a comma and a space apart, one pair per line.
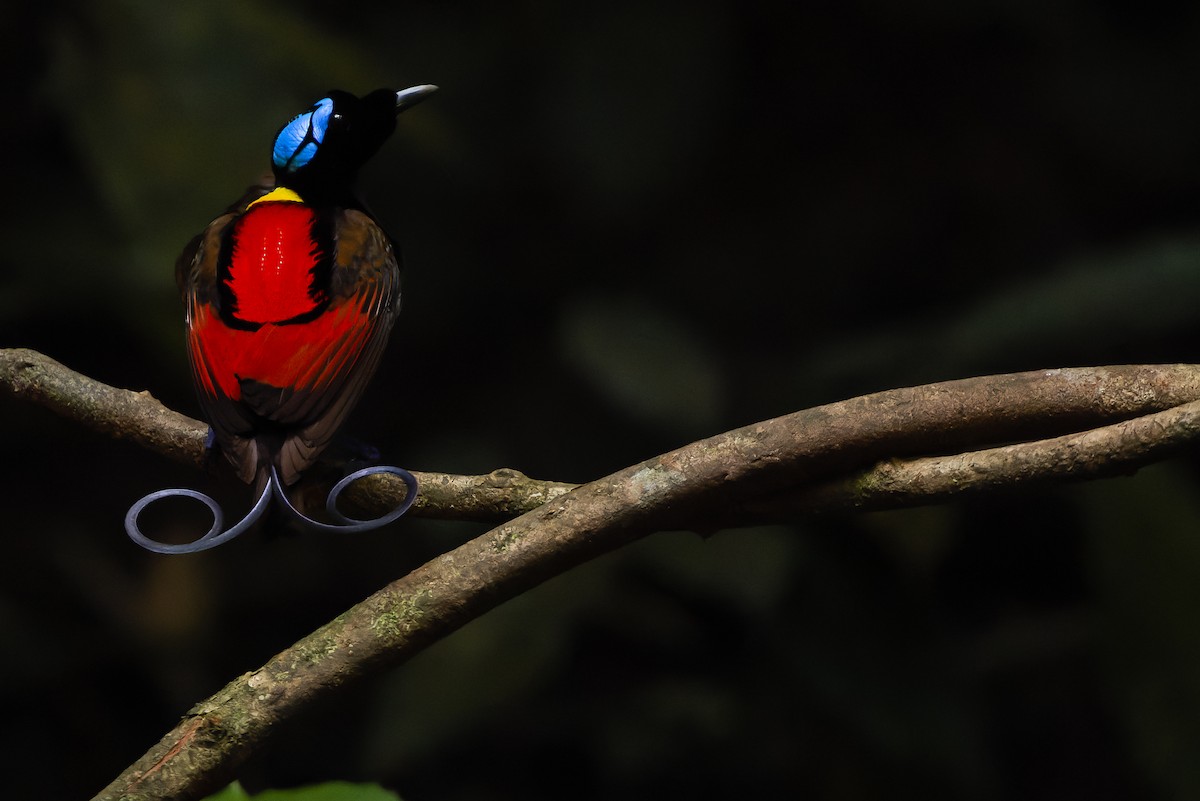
724, 479
204, 751
894, 483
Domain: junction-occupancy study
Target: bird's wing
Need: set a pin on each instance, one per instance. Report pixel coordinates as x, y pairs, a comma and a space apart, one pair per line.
365, 299
232, 423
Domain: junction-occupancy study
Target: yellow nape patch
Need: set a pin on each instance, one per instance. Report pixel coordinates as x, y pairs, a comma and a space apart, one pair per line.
280, 194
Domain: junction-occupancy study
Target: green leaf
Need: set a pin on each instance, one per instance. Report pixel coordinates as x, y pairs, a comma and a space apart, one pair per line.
328, 791
233, 792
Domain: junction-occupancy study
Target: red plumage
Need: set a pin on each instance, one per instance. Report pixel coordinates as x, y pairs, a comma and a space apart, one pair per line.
272, 262
288, 311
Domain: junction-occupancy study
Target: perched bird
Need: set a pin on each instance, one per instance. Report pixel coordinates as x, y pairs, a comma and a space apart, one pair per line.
291, 295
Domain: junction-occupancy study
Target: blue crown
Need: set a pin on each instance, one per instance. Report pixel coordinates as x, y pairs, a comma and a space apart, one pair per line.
297, 141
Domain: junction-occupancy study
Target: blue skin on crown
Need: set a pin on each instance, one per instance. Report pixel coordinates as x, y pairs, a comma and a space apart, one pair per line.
297, 143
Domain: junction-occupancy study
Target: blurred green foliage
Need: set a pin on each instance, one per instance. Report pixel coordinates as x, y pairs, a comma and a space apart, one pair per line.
329, 791
627, 226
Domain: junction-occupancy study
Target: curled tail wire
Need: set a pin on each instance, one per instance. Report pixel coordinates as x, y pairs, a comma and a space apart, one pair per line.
268, 488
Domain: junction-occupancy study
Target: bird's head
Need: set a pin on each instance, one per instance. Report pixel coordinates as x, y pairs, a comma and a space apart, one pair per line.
319, 151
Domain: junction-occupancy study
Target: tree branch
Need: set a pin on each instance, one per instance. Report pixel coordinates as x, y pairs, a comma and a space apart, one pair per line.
139, 417
813, 459
846, 435
895, 483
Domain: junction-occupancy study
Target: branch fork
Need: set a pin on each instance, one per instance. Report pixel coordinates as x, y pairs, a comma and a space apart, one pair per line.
902, 447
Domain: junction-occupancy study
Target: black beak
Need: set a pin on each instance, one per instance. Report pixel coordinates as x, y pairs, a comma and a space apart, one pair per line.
407, 98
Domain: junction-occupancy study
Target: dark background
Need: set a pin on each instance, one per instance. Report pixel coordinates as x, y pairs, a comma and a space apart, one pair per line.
629, 225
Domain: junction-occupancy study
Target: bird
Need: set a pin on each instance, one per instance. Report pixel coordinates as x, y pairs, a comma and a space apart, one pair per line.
289, 298
291, 294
